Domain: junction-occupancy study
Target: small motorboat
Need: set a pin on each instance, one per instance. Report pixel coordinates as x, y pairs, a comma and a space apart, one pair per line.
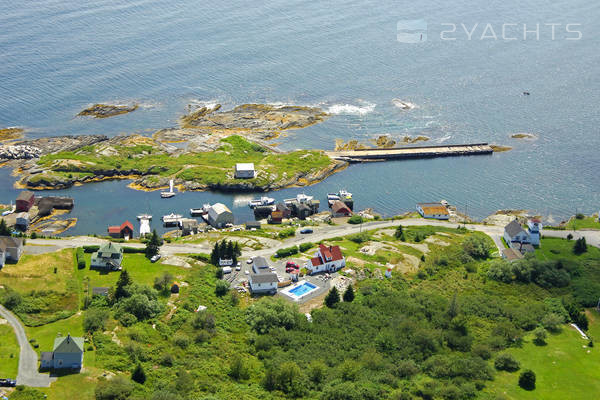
263, 201
341, 195
170, 193
171, 219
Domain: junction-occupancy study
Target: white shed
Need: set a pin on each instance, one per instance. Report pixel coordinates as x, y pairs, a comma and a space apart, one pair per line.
244, 171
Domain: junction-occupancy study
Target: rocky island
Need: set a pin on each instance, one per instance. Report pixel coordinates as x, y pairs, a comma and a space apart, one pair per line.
10, 134
210, 144
106, 110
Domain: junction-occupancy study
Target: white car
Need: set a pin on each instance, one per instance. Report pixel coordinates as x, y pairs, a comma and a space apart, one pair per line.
238, 268
155, 258
247, 272
249, 261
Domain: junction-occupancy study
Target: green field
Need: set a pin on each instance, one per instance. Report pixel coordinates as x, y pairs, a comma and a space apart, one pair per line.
9, 352
584, 223
565, 368
557, 248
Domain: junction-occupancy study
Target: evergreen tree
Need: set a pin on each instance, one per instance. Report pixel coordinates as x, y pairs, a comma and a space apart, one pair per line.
453, 307
332, 298
4, 231
153, 245
399, 232
580, 246
214, 255
122, 283
138, 375
349, 294
527, 380
229, 250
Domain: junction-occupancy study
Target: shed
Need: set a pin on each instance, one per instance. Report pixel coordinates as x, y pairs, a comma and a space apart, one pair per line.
244, 171
100, 291
253, 225
189, 226
340, 209
25, 200
22, 220
219, 215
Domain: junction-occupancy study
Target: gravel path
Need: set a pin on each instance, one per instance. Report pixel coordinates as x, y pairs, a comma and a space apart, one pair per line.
28, 359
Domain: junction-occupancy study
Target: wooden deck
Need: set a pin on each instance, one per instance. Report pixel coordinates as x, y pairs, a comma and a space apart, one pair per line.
411, 152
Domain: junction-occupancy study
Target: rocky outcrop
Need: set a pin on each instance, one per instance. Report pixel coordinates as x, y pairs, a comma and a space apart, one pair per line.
55, 144
106, 110
10, 133
523, 136
498, 148
254, 117
19, 152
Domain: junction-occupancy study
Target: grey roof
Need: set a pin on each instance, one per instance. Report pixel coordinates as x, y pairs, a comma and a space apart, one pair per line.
9, 241
527, 248
68, 344
514, 228
253, 224
26, 195
268, 277
46, 355
260, 262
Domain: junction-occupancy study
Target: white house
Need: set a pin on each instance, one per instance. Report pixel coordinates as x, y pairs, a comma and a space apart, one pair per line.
534, 228
517, 238
265, 282
219, 215
244, 171
326, 259
67, 354
433, 210
11, 249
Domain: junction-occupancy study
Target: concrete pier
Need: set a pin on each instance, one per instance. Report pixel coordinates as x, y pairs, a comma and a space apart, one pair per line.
411, 152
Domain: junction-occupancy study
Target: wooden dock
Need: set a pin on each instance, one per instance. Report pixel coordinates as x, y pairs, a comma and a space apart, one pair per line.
453, 150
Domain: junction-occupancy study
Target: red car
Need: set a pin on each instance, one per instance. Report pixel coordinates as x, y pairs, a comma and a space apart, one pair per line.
291, 266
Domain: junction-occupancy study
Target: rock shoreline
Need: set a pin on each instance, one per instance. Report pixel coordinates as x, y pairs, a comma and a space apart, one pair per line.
106, 110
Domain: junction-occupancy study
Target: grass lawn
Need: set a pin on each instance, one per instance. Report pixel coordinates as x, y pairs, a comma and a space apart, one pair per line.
565, 369
557, 248
9, 352
44, 335
585, 223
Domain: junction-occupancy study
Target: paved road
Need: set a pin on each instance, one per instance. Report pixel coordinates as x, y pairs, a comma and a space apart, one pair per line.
28, 359
321, 233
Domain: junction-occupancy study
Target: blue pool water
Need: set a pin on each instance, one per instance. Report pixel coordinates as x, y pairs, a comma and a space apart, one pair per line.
303, 289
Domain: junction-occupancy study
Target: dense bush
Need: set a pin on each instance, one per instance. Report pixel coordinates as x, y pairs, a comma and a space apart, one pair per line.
286, 252
359, 237
286, 233
95, 319
305, 246
547, 274
355, 219
80, 258
269, 313
527, 379
506, 362
476, 247
117, 388
221, 288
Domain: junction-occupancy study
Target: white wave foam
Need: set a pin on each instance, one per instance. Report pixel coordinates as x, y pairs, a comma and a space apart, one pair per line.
241, 201
204, 103
443, 139
351, 109
404, 105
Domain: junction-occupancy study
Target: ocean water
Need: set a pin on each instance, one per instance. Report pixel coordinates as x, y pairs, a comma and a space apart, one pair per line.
59, 56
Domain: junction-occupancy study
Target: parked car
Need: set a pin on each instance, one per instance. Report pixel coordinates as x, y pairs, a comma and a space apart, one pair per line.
249, 261
155, 258
238, 268
290, 266
8, 382
306, 230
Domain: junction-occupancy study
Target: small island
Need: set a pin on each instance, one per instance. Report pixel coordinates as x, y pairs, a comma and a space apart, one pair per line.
107, 110
10, 134
523, 136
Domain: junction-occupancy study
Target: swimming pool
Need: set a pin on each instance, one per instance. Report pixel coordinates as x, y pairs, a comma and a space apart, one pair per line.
300, 290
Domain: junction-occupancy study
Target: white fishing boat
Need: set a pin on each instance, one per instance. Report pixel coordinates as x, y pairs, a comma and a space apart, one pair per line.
341, 195
263, 201
170, 193
171, 219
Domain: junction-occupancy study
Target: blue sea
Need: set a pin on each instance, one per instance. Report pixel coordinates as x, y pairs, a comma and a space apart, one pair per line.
465, 71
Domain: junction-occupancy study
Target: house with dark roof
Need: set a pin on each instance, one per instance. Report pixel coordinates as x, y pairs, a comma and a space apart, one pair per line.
326, 259
517, 238
260, 265
67, 354
340, 209
11, 249
433, 210
123, 231
109, 256
25, 201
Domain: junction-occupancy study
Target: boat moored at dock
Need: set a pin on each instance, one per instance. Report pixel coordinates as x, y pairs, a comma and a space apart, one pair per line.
263, 201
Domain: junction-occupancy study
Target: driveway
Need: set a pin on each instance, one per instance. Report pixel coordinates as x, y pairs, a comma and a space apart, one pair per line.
28, 359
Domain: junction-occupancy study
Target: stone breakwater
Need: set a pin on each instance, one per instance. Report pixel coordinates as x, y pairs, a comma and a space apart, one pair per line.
19, 152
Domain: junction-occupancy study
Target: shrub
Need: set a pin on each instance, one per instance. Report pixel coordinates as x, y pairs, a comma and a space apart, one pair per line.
286, 252
138, 375
359, 237
570, 236
91, 249
579, 216
552, 322
269, 313
181, 340
355, 219
80, 258
163, 282
95, 319
238, 370
221, 288
305, 246
539, 336
286, 233
349, 294
476, 247
482, 351
117, 388
506, 362
527, 380
580, 246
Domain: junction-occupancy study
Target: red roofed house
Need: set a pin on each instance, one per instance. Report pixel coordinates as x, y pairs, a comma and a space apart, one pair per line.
25, 201
327, 259
124, 231
339, 209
